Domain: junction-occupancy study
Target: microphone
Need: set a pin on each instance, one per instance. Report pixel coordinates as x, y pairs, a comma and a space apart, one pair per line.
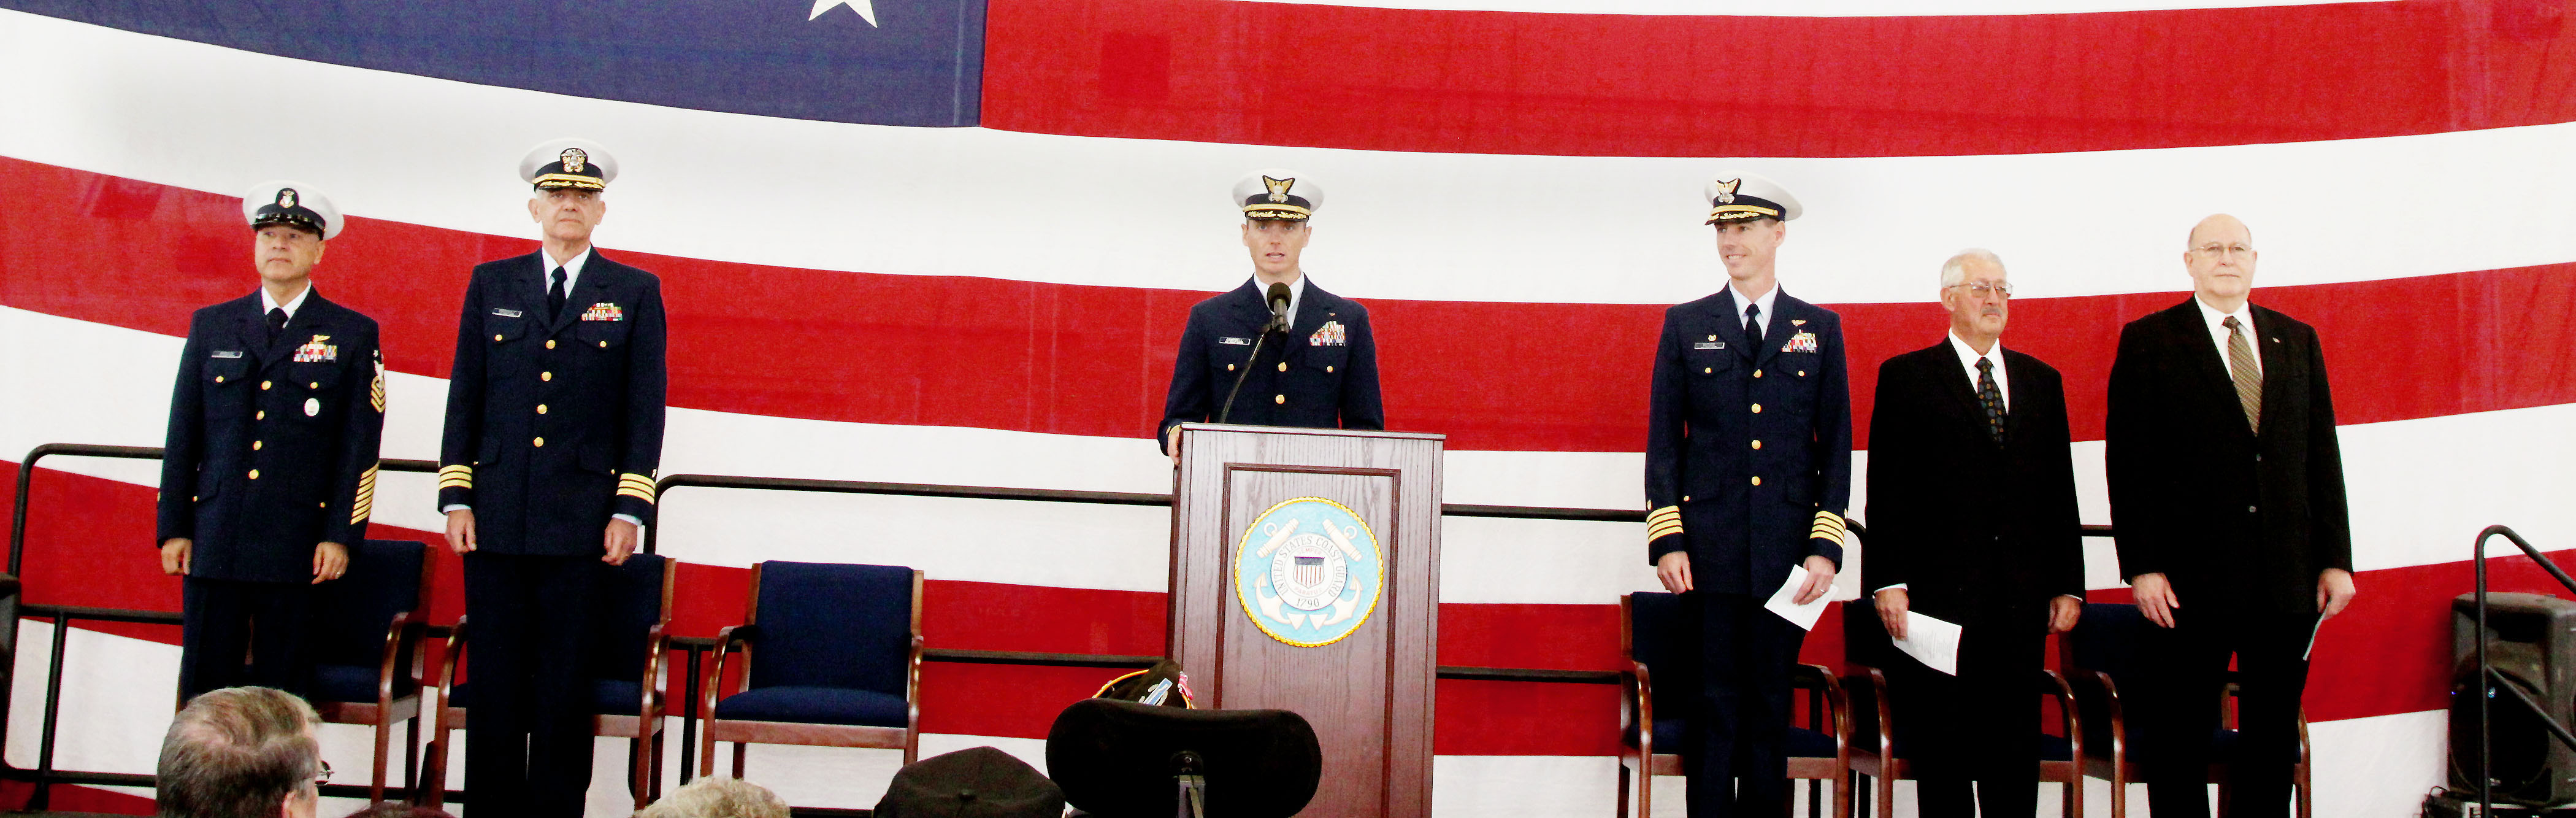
1278, 324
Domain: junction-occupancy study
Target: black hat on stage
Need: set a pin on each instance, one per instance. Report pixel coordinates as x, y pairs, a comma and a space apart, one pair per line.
291, 203
1120, 759
977, 782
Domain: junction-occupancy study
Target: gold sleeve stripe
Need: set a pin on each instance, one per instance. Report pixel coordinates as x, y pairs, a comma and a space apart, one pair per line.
1653, 534
635, 485
1829, 526
459, 476
365, 504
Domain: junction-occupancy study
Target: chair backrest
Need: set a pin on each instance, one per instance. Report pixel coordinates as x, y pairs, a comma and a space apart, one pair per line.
350, 614
1663, 635
833, 625
632, 599
2106, 639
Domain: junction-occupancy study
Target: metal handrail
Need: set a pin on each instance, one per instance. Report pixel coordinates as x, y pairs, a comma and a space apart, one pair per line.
2491, 679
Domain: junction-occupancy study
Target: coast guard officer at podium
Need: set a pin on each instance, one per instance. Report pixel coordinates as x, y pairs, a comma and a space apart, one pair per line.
1317, 365
1748, 471
270, 464
554, 434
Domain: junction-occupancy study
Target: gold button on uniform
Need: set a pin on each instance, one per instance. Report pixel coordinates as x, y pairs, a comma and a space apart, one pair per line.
541, 408
263, 415
254, 474
264, 384
1229, 367
1686, 498
1712, 337
603, 345
254, 445
323, 504
496, 337
1283, 366
1757, 444
313, 385
545, 376
1757, 373
1757, 408
219, 379
1279, 399
1802, 373
1757, 480
550, 343
541, 443
1709, 370
1328, 370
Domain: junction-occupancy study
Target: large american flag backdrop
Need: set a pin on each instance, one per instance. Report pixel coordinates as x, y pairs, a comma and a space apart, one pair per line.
954, 241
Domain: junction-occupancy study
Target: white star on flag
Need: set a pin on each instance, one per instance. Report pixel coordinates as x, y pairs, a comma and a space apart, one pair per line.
866, 9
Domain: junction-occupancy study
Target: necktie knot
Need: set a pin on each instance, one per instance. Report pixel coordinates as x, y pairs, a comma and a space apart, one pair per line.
2229, 322
1991, 399
1753, 325
1985, 365
276, 318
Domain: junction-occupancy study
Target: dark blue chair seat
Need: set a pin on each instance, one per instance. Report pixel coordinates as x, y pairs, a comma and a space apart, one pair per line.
2222, 746
817, 705
608, 697
1803, 743
2051, 747
353, 683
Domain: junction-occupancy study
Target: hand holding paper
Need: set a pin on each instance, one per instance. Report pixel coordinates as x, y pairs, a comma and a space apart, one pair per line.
1933, 642
1784, 601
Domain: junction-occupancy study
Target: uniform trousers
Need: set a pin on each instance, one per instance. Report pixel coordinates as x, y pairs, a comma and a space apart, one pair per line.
1735, 747
1980, 725
222, 621
2184, 694
530, 722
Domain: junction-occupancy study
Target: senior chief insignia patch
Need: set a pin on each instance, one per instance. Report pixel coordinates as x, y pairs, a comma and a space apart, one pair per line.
1308, 572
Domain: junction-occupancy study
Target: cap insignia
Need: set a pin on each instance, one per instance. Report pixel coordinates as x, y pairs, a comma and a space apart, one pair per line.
574, 159
1278, 188
285, 197
1726, 190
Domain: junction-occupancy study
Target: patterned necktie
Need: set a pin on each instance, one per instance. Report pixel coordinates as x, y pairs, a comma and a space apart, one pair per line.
276, 322
1991, 398
2241, 367
1753, 327
555, 297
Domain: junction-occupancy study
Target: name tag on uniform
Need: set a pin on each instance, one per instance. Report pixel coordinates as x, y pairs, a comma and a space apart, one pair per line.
1241, 342
1708, 345
1801, 342
603, 311
506, 313
228, 353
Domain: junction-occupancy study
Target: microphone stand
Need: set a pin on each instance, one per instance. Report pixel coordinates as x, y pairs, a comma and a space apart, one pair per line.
1266, 330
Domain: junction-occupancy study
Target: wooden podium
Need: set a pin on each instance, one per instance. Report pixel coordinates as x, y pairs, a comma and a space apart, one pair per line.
1292, 625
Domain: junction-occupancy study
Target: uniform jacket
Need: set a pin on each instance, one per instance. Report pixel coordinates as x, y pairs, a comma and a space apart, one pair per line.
1974, 529
1714, 399
2226, 514
554, 426
1312, 377
272, 446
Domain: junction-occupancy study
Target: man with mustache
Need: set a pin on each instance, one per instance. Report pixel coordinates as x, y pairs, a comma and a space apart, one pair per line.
554, 434
1318, 362
268, 471
1972, 521
1748, 471
2228, 502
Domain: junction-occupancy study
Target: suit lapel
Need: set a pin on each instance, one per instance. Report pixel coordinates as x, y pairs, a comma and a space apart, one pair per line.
1730, 325
2207, 364
2016, 397
1945, 368
1778, 330
2277, 361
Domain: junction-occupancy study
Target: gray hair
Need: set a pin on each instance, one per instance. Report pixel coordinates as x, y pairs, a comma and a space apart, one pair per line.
239, 752
717, 796
1956, 269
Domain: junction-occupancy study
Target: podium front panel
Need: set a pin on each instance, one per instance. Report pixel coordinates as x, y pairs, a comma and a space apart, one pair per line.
1304, 578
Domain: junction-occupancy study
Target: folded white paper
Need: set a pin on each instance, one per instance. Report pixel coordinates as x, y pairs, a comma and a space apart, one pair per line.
1803, 616
2313, 630
1933, 642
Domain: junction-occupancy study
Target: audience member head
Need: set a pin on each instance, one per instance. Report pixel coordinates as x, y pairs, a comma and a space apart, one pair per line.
240, 752
397, 809
716, 796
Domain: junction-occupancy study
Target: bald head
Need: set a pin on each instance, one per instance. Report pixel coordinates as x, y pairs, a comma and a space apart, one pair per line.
2221, 260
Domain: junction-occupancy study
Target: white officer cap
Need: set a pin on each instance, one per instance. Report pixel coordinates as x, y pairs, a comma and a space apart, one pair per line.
295, 203
1278, 193
1740, 196
578, 163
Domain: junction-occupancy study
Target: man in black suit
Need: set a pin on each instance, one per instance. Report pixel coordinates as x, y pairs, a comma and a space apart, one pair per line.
553, 438
269, 470
1972, 521
1317, 365
2227, 496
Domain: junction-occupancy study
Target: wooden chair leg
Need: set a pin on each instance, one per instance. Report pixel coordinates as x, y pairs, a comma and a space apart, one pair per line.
635, 767
1887, 791
656, 780
1623, 790
384, 753
411, 760
741, 749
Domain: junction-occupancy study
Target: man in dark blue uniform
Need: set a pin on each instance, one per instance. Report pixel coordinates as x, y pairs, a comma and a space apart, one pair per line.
1317, 361
270, 465
554, 435
1748, 471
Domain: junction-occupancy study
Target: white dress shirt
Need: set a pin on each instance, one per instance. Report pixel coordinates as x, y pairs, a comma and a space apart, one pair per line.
2244, 315
269, 302
1968, 358
572, 272
1763, 319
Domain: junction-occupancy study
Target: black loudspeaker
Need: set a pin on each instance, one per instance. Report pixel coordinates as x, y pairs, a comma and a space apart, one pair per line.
1119, 759
2531, 641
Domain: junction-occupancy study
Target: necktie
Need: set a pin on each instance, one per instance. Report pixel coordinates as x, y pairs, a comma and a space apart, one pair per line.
276, 322
2241, 367
1991, 398
1753, 328
555, 297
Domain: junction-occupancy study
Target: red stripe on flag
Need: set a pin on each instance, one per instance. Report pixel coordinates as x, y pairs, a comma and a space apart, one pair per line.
1636, 85
1095, 360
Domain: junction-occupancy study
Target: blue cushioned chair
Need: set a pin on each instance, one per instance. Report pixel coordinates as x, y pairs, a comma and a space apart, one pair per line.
631, 630
1880, 740
368, 651
831, 657
2103, 648
1656, 640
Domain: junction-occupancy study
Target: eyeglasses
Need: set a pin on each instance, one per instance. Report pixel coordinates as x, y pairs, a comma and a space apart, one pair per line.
323, 777
2217, 250
1982, 289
